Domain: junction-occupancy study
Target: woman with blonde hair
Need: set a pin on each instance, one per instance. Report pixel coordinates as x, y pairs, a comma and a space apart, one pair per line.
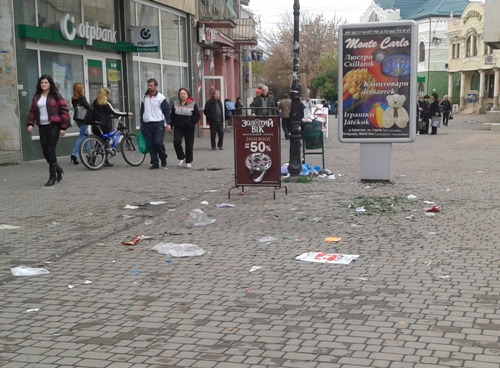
102, 112
446, 106
79, 99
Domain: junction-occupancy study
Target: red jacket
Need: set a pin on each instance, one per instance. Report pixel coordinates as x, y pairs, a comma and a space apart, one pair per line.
56, 108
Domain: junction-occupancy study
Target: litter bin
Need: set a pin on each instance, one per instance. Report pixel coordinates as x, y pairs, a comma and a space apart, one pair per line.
312, 140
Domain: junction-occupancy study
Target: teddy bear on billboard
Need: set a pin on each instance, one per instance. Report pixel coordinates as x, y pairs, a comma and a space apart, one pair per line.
395, 112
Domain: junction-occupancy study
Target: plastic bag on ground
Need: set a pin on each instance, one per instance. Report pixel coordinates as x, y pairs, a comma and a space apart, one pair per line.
28, 271
321, 257
179, 250
198, 218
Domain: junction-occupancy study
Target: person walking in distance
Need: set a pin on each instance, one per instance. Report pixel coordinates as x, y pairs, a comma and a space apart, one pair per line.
446, 105
155, 112
50, 112
434, 112
285, 106
214, 113
183, 119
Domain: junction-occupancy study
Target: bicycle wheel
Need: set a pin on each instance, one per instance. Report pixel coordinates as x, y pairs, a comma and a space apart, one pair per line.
92, 152
130, 150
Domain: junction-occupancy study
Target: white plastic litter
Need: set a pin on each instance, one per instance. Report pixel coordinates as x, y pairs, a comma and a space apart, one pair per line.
331, 177
267, 239
411, 197
87, 282
179, 250
320, 257
225, 205
156, 203
32, 310
205, 203
129, 207
8, 227
360, 209
28, 271
198, 218
255, 268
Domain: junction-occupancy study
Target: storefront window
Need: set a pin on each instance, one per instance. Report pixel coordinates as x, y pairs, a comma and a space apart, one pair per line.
170, 40
50, 12
171, 82
148, 16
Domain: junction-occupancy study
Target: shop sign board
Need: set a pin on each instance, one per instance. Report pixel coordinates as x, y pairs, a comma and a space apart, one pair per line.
206, 35
257, 152
146, 39
377, 77
85, 30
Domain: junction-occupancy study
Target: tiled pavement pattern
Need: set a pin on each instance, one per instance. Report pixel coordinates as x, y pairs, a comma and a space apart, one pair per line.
424, 293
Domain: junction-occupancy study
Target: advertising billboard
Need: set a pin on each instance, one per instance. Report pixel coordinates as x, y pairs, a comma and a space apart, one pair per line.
377, 78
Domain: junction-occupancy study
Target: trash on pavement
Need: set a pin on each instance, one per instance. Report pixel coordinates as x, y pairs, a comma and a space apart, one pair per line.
8, 227
135, 272
225, 205
211, 191
360, 209
70, 286
333, 239
255, 268
267, 239
134, 241
331, 177
130, 207
32, 310
179, 250
127, 217
434, 209
205, 203
444, 277
148, 222
198, 218
284, 169
412, 197
411, 217
28, 271
156, 203
87, 282
320, 257
429, 202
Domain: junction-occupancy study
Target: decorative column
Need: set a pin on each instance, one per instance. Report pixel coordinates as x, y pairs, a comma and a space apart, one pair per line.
462, 91
481, 89
450, 86
495, 89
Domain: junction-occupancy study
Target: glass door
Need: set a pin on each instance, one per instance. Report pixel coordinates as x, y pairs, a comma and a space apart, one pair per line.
95, 77
209, 85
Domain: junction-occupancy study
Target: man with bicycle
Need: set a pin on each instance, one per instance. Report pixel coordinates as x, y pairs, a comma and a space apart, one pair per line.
155, 112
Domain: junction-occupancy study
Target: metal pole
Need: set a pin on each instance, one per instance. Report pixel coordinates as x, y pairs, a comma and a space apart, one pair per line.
295, 163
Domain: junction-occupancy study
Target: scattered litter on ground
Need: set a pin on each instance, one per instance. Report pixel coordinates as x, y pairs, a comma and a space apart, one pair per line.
430, 214
434, 209
32, 310
168, 261
402, 175
70, 286
135, 272
205, 203
179, 250
363, 278
130, 207
127, 217
156, 203
87, 282
444, 277
198, 218
55, 223
432, 232
28, 271
255, 268
225, 205
146, 237
267, 239
411, 217
448, 190
148, 222
429, 202
8, 227
479, 171
360, 209
211, 191
331, 177
428, 264
412, 197
333, 239
320, 257
134, 241
368, 187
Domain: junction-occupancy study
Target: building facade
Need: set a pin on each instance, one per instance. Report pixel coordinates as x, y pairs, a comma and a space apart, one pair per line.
117, 44
432, 18
474, 61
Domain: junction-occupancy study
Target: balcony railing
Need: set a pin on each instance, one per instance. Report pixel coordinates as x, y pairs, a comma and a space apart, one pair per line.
245, 32
219, 13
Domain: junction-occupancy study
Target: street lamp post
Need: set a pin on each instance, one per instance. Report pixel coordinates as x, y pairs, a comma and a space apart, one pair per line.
294, 163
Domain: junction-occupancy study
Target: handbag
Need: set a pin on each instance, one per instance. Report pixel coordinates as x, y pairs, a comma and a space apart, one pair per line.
436, 121
80, 113
141, 142
450, 117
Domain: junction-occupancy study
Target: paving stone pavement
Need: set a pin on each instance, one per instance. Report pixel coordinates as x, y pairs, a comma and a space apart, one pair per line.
425, 291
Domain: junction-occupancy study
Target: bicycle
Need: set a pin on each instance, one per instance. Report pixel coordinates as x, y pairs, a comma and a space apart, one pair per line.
95, 150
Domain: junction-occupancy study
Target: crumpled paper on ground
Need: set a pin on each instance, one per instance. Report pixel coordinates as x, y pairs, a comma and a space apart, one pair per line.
28, 271
179, 250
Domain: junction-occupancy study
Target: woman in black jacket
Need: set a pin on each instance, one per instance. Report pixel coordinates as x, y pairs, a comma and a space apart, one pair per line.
446, 105
434, 111
79, 99
102, 112
183, 118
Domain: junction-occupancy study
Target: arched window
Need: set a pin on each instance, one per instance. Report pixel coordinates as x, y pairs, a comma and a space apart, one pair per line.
471, 46
474, 81
373, 17
421, 52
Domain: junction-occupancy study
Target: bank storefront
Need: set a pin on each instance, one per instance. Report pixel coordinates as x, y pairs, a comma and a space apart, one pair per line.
91, 42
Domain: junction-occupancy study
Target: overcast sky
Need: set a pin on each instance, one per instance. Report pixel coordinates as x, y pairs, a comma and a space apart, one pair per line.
270, 10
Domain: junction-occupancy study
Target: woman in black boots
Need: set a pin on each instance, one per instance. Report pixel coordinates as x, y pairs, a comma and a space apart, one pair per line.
50, 112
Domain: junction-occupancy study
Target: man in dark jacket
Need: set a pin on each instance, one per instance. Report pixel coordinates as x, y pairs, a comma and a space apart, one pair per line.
214, 113
265, 103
